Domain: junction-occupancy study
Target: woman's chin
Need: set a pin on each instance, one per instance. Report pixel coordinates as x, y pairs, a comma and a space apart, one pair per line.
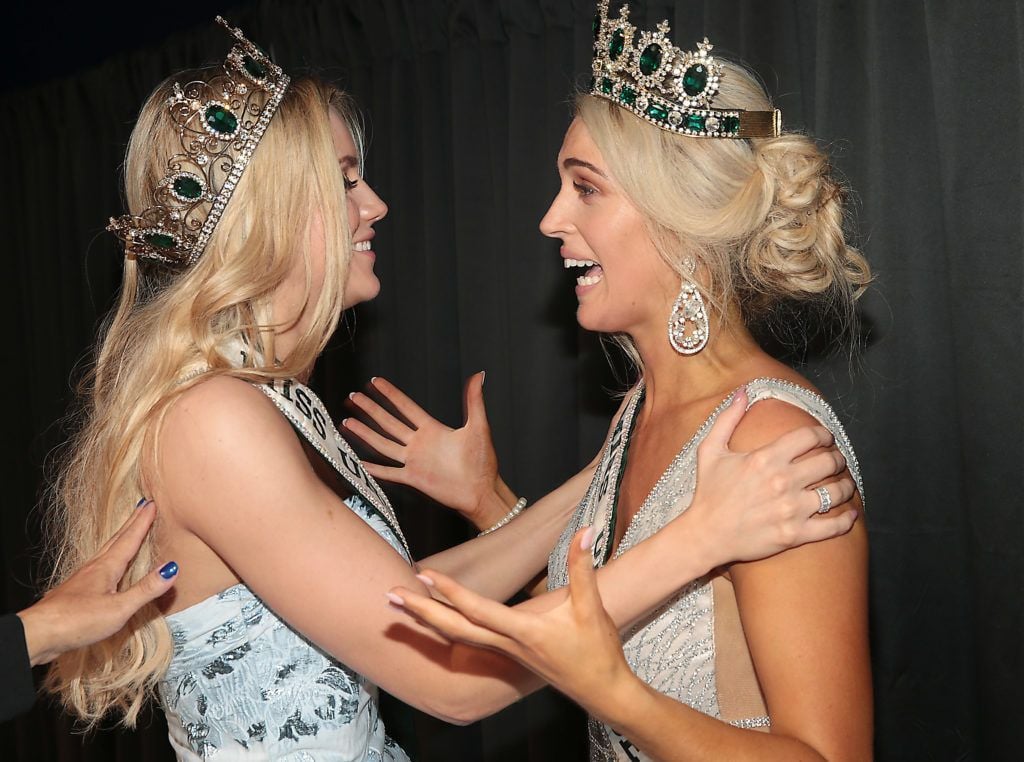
360, 289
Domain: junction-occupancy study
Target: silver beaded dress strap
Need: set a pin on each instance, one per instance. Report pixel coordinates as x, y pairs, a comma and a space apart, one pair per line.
673, 649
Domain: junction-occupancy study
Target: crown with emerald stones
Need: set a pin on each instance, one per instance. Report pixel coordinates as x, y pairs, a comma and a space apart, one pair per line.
220, 122
668, 87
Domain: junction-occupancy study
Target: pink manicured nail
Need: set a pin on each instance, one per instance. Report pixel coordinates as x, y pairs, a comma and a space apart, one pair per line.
425, 580
395, 598
587, 540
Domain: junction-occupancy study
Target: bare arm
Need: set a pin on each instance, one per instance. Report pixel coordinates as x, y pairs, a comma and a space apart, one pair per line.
234, 474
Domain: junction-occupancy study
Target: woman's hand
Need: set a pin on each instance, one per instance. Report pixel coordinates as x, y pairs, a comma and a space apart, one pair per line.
455, 467
87, 606
751, 505
574, 646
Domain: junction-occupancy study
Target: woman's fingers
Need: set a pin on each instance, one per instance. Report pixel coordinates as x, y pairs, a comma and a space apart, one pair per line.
473, 408
386, 447
725, 424
478, 609
406, 407
583, 590
150, 587
796, 443
448, 621
391, 426
838, 492
818, 467
127, 540
388, 474
826, 527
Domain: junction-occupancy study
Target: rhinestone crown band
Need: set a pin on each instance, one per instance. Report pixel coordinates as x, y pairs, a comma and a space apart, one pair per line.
668, 87
220, 123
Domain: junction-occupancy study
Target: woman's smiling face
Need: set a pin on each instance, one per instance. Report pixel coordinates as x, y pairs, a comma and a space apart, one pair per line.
624, 283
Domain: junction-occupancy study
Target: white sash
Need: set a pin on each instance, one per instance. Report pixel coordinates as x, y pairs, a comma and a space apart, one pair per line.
307, 414
604, 491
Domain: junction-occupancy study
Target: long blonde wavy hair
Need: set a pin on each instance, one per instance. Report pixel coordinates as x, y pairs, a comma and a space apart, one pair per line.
167, 334
763, 218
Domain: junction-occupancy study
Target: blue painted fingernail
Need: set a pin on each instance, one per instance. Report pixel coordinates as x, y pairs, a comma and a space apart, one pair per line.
168, 570
142, 502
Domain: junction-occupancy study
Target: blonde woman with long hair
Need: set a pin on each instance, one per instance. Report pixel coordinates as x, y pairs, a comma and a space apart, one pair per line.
249, 231
686, 202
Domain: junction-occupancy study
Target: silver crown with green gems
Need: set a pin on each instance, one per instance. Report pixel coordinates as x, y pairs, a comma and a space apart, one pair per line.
220, 123
668, 87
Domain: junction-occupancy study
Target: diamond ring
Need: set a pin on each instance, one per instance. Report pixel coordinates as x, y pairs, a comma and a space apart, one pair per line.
825, 500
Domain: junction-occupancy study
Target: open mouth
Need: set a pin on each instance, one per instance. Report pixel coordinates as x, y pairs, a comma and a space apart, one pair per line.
593, 275
361, 246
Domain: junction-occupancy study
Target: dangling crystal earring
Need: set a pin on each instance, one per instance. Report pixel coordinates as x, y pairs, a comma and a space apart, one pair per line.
688, 311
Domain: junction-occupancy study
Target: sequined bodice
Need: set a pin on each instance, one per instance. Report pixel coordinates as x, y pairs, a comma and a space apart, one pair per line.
673, 649
243, 685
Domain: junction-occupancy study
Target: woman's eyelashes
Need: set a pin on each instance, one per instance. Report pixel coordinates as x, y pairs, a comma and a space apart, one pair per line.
583, 189
350, 184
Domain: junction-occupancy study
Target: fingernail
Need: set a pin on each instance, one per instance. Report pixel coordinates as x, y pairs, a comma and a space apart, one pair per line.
351, 395
168, 570
587, 540
142, 502
372, 379
425, 580
395, 599
344, 422
483, 377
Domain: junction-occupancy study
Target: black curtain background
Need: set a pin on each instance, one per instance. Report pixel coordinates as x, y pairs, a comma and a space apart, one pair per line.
920, 103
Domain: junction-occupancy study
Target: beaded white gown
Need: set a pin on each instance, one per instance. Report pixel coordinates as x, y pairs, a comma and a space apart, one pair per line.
692, 647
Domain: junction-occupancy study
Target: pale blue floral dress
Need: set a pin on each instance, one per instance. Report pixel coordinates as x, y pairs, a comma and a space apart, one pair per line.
243, 685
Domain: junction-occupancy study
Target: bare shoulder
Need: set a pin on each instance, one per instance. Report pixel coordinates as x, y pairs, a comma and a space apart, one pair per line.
766, 421
222, 405
219, 433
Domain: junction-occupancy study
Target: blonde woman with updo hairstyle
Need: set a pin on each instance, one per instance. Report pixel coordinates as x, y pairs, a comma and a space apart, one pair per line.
249, 232
711, 234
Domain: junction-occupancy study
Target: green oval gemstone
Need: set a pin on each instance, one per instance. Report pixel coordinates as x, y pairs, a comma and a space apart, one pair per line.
606, 86
596, 26
187, 186
159, 240
695, 79
255, 68
695, 123
657, 112
628, 96
731, 124
219, 119
617, 45
650, 59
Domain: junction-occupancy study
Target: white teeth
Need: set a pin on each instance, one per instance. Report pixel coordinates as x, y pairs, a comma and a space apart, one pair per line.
584, 280
361, 246
578, 263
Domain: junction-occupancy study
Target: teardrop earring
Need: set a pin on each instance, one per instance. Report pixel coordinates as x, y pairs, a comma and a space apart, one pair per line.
688, 325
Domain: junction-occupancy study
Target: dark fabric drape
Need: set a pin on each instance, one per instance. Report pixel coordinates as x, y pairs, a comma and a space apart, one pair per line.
920, 103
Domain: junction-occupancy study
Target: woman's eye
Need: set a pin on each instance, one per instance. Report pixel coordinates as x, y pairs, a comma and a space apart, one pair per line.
350, 184
584, 190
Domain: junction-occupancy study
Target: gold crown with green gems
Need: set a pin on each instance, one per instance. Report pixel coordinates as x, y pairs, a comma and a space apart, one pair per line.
668, 87
220, 123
